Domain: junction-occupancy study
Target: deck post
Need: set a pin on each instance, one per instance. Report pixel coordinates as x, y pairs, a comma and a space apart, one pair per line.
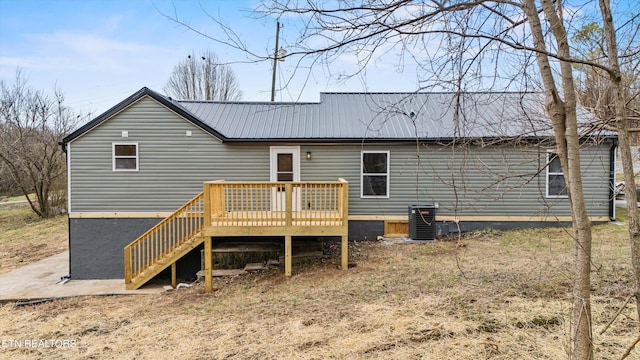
287, 255
208, 266
345, 223
206, 221
216, 199
127, 265
174, 280
345, 252
206, 216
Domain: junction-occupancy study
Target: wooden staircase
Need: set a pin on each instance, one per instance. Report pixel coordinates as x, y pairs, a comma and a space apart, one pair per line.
164, 244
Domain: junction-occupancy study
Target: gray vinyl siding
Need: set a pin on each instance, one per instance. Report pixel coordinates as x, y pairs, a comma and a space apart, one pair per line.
172, 166
473, 181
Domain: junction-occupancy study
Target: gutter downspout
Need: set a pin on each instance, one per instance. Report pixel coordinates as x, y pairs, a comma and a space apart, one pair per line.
66, 154
612, 180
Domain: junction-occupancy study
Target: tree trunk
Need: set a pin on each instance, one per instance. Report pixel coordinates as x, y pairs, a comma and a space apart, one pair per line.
564, 120
622, 125
630, 195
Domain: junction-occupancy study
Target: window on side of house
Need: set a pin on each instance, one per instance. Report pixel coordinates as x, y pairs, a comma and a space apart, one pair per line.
125, 156
374, 174
556, 187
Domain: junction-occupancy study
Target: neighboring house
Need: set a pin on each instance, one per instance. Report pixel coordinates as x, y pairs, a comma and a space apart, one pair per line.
486, 159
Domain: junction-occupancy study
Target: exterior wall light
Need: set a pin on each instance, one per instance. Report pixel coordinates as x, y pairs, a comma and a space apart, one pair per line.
308, 155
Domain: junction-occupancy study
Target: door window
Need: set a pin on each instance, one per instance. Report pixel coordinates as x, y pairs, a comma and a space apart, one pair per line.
285, 167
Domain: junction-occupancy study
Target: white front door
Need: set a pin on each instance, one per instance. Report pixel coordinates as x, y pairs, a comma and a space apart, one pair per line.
285, 167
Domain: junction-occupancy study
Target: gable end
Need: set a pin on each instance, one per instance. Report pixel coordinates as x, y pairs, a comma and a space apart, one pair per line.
132, 100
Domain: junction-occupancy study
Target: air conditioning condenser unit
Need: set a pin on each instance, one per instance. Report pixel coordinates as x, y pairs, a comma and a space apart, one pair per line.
422, 222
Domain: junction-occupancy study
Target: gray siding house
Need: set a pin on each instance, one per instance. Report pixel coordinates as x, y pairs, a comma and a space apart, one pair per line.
485, 159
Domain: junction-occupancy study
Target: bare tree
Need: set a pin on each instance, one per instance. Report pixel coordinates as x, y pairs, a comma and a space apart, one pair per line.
203, 78
461, 46
565, 126
612, 92
31, 124
622, 124
368, 29
6, 184
467, 33
594, 84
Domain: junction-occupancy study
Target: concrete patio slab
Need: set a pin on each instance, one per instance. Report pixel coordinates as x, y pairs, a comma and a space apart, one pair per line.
40, 281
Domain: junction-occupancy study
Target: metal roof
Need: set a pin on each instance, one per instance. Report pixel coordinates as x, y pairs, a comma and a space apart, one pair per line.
358, 116
380, 116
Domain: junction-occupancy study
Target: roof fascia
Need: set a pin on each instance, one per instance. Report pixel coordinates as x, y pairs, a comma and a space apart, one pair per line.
494, 140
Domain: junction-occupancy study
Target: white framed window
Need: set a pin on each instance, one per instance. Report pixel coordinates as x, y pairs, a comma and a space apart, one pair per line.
374, 174
125, 156
556, 186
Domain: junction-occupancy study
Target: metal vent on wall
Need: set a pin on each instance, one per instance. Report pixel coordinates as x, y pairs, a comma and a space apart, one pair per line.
422, 222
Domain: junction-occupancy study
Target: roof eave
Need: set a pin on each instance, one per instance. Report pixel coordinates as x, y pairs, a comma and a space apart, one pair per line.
446, 140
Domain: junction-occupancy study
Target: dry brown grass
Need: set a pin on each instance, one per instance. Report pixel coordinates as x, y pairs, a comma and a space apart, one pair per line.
24, 238
493, 295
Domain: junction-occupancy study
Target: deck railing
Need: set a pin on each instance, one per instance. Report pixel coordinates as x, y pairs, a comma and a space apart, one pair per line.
276, 203
157, 243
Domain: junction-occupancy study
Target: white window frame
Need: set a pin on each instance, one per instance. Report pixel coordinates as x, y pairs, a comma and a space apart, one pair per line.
550, 155
387, 174
114, 157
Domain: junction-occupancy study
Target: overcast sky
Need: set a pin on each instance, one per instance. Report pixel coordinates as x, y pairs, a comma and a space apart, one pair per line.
100, 52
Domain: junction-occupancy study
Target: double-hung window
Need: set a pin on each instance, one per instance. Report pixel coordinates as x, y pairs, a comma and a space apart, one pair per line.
556, 186
125, 156
374, 174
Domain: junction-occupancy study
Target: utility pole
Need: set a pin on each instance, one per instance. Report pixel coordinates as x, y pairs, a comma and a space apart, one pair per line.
275, 63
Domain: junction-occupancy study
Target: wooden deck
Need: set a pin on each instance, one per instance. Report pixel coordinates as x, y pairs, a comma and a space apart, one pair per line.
284, 209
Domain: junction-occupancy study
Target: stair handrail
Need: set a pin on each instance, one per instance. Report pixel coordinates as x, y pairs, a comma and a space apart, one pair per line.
156, 242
